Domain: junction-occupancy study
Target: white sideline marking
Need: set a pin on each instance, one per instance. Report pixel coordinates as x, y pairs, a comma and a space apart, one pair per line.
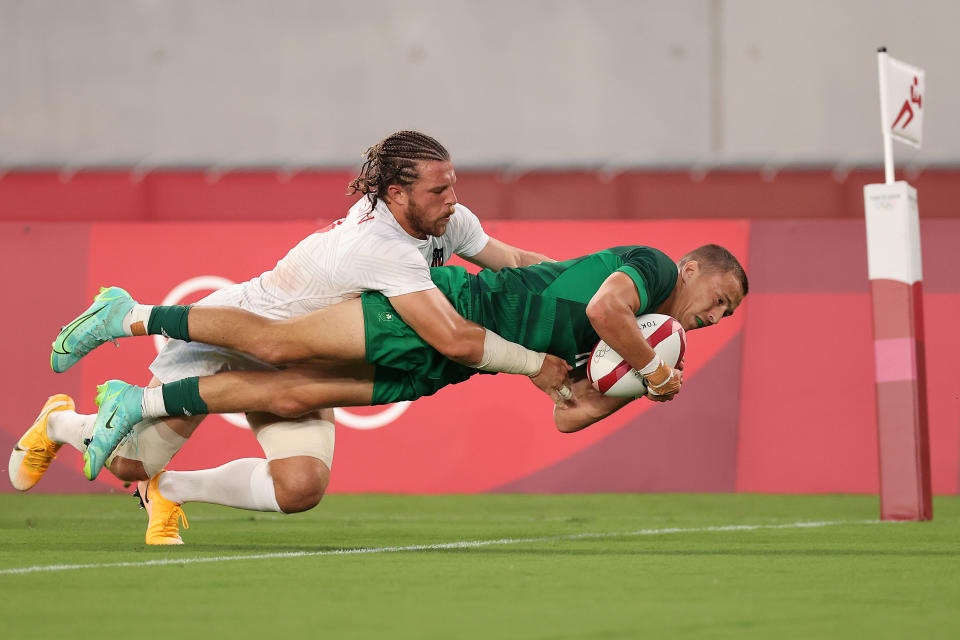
432, 547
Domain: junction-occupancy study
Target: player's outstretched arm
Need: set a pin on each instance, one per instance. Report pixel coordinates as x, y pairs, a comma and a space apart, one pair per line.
554, 379
587, 406
612, 312
497, 255
431, 315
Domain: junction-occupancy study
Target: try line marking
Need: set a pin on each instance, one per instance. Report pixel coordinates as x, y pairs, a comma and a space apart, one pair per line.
467, 544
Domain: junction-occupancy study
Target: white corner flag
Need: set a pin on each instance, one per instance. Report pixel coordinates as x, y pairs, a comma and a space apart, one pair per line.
896, 287
902, 100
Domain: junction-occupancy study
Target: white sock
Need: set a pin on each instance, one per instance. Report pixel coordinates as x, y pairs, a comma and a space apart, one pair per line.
70, 427
152, 403
244, 484
140, 313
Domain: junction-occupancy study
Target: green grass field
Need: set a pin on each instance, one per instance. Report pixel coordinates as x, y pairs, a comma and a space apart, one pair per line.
576, 566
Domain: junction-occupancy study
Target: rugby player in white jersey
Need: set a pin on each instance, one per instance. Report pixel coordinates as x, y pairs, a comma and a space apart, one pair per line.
407, 220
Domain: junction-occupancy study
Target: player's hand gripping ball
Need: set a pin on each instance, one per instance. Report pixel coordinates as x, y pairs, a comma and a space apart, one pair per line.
612, 376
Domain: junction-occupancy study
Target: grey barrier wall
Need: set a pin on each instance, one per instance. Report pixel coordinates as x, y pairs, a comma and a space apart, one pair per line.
500, 82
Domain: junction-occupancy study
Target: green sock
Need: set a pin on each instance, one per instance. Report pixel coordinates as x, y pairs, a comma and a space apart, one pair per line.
182, 398
169, 321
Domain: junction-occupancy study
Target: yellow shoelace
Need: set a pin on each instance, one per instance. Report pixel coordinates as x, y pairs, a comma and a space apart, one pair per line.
170, 528
39, 458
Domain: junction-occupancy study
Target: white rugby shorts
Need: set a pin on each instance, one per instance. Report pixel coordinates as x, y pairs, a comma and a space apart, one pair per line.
179, 359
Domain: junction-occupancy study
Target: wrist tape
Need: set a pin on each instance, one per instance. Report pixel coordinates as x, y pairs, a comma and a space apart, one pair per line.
651, 366
508, 357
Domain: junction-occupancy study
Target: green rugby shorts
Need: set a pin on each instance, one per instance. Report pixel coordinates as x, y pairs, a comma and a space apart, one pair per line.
407, 367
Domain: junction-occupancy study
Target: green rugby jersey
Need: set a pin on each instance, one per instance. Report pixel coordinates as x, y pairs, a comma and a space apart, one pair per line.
543, 306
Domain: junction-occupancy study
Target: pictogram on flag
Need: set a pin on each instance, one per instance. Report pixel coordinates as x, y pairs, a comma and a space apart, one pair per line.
903, 101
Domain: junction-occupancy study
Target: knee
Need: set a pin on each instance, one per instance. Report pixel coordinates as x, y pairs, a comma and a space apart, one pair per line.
289, 404
128, 470
300, 502
299, 487
271, 347
271, 352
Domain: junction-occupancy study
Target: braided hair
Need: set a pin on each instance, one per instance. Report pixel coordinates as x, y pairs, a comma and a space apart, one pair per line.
393, 160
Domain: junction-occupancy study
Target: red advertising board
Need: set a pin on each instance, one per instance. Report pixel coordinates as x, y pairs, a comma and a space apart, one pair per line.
751, 416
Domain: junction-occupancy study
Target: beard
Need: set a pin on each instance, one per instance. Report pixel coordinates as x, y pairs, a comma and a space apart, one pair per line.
422, 223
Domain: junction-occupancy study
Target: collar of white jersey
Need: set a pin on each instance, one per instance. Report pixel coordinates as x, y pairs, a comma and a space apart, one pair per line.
382, 211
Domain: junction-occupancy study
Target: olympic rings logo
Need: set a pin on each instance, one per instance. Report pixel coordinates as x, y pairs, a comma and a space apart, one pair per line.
342, 416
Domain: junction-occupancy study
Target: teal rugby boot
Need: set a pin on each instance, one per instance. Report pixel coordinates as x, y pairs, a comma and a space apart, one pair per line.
120, 409
101, 322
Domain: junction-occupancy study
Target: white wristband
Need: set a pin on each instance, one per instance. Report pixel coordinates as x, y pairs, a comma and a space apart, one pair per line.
651, 366
504, 356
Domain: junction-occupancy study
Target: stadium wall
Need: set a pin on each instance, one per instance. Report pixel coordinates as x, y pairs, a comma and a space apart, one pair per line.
627, 82
319, 195
753, 416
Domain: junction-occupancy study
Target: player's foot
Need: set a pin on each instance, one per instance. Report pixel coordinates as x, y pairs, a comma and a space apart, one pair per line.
101, 322
164, 515
119, 410
35, 450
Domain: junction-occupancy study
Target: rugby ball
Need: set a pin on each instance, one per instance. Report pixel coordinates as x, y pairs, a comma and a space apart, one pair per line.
612, 376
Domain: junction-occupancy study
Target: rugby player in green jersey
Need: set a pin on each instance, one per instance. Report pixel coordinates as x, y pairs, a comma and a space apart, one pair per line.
369, 356
360, 352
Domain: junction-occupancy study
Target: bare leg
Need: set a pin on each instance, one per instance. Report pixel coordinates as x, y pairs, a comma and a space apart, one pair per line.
290, 392
333, 333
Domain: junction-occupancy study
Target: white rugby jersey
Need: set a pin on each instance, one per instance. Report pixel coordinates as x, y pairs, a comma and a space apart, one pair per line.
365, 251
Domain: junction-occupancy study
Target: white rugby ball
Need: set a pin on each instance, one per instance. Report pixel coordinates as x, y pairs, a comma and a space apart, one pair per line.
612, 376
